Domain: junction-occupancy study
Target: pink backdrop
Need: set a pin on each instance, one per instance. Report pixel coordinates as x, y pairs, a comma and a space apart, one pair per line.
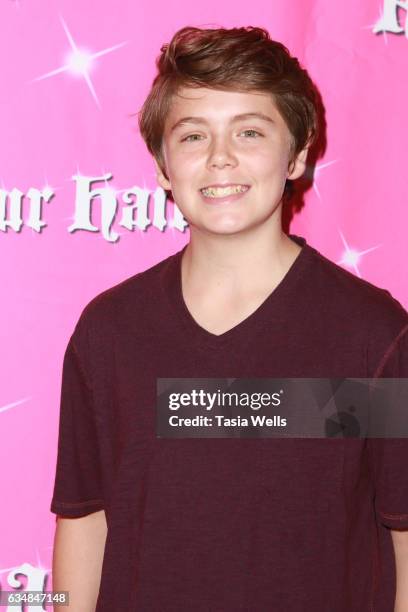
59, 128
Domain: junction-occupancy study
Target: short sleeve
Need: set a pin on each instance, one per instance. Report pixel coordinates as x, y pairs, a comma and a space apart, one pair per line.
389, 456
77, 486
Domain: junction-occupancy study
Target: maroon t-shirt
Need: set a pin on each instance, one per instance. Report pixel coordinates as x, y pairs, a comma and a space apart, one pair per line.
236, 524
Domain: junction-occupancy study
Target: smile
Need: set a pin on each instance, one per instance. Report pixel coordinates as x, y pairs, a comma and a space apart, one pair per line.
221, 192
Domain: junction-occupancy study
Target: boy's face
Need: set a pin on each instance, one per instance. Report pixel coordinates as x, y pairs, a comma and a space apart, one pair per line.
219, 149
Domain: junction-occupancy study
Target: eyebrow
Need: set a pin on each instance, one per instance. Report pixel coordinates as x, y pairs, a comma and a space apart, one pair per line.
202, 120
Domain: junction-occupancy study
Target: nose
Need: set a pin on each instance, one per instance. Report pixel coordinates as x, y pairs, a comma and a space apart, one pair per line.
221, 154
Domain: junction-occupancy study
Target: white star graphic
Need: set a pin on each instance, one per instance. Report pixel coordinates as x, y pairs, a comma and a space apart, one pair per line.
17, 403
79, 62
372, 26
39, 562
351, 257
6, 569
48, 186
316, 173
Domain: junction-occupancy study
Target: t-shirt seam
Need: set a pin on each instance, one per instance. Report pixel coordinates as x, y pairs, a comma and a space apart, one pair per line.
389, 351
376, 374
75, 504
90, 388
396, 517
82, 367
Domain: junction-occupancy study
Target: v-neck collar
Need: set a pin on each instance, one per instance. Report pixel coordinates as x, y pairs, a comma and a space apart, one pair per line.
253, 322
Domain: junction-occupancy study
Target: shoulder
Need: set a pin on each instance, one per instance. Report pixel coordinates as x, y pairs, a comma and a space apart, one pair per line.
359, 308
357, 297
128, 300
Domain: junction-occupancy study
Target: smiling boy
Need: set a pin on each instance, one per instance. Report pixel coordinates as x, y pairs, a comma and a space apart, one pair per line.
238, 252
236, 523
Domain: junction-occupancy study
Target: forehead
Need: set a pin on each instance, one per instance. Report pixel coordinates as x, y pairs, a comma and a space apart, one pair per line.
218, 106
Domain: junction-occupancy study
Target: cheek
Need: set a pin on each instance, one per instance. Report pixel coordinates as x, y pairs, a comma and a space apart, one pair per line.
268, 166
184, 167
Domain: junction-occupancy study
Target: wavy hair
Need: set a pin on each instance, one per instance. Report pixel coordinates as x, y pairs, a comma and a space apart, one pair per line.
236, 59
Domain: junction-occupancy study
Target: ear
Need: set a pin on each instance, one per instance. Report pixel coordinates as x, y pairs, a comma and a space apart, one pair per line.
298, 165
161, 178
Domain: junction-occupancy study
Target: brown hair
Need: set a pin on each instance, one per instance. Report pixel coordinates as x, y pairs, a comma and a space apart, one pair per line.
238, 59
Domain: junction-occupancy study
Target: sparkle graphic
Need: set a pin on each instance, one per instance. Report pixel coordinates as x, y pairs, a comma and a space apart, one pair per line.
372, 26
13, 404
6, 569
317, 170
39, 563
48, 186
38, 566
351, 257
79, 62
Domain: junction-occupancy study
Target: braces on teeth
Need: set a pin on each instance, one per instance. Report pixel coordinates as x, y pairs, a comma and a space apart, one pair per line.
222, 191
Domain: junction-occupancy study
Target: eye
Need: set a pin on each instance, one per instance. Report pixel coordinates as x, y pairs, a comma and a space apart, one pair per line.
253, 131
186, 139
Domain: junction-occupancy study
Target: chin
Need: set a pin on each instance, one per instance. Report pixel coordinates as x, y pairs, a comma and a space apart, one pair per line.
225, 229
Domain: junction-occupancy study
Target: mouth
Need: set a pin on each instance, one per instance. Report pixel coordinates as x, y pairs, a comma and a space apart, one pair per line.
222, 192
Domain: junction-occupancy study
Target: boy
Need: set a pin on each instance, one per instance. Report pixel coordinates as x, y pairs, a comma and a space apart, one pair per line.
228, 524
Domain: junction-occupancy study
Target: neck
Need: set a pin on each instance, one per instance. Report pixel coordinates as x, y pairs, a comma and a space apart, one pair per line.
237, 263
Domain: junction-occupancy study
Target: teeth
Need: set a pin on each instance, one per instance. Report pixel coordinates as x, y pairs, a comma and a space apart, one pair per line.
219, 192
